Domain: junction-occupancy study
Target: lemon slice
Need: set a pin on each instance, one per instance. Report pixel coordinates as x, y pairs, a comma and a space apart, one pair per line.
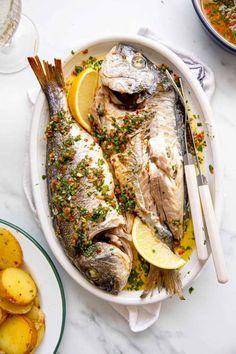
152, 249
81, 96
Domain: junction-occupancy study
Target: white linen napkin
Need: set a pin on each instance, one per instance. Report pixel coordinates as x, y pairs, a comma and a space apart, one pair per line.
199, 69
138, 317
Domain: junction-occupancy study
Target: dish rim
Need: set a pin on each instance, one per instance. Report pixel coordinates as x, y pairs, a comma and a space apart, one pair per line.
198, 9
52, 265
206, 111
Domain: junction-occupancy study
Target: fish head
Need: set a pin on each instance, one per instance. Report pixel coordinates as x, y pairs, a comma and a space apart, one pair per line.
126, 71
106, 266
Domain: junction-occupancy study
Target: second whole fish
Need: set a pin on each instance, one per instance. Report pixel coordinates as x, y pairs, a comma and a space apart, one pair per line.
142, 140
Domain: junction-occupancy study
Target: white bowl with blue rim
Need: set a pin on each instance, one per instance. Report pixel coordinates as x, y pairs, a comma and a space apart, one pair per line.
210, 29
50, 288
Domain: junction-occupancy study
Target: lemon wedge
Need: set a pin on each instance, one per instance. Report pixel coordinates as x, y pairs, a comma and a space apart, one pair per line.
81, 95
152, 249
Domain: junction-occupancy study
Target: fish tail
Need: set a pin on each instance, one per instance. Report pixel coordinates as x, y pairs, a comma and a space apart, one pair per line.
47, 74
167, 279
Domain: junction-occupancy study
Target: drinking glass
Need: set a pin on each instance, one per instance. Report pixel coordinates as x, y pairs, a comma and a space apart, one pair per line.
18, 37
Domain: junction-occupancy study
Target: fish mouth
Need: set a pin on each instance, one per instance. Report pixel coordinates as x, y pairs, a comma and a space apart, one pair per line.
128, 100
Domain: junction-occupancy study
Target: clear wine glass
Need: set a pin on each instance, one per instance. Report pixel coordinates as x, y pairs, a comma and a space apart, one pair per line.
18, 37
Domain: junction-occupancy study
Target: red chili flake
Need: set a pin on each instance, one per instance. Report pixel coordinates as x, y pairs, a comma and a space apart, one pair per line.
66, 211
200, 136
86, 140
113, 203
100, 197
176, 77
85, 51
63, 169
54, 184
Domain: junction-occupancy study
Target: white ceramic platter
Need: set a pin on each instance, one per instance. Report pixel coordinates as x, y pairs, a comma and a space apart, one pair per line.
51, 293
199, 103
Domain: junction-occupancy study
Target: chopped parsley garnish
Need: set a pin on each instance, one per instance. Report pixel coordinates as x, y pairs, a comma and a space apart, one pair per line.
135, 282
200, 142
126, 200
190, 290
90, 250
58, 123
116, 139
100, 162
78, 69
99, 214
211, 169
91, 62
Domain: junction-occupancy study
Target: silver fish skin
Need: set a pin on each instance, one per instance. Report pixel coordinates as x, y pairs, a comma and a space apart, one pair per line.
166, 154
80, 189
126, 71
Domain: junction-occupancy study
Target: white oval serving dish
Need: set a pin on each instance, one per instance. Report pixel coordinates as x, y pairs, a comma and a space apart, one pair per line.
50, 288
159, 54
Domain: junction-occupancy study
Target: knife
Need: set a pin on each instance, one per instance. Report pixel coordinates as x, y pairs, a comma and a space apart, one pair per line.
192, 184
206, 200
209, 216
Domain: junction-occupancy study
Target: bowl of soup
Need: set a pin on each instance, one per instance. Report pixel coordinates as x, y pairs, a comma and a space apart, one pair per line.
218, 17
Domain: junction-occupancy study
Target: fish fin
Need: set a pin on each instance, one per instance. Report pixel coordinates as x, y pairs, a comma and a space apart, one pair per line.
47, 74
168, 279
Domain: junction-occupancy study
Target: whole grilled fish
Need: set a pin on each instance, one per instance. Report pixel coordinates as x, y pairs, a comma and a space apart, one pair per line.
81, 190
143, 144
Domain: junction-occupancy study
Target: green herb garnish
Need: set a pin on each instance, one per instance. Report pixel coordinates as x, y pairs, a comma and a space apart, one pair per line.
190, 290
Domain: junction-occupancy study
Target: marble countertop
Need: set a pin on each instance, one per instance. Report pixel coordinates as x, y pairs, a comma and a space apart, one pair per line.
205, 321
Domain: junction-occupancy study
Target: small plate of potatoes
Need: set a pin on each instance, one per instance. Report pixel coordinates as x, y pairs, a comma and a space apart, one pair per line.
32, 302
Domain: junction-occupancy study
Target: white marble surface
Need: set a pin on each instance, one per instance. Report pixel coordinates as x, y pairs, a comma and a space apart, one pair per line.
205, 321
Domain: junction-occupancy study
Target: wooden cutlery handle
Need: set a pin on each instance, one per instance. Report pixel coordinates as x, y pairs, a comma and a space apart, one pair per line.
213, 233
196, 212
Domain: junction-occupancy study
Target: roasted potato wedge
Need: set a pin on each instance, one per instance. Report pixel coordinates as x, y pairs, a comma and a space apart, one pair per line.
10, 250
40, 335
36, 316
17, 286
37, 301
14, 309
3, 316
17, 335
38, 319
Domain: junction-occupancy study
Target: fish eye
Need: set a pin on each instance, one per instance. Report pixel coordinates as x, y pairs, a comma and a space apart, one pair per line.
92, 273
138, 61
